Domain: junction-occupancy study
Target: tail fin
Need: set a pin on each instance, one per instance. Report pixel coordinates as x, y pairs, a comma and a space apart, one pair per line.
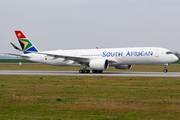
25, 43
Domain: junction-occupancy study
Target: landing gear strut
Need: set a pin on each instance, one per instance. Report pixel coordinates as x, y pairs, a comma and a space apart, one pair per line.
165, 70
84, 70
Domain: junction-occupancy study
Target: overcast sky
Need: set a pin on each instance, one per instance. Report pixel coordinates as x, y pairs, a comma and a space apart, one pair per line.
79, 24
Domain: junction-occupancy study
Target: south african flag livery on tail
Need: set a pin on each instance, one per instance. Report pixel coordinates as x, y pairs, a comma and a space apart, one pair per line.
25, 43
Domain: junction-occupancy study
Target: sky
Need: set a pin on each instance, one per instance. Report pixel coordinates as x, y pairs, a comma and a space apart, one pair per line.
81, 24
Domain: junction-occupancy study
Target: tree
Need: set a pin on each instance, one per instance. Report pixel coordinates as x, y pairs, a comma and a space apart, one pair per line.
177, 54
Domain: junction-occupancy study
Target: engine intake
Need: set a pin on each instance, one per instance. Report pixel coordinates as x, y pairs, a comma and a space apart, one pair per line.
99, 64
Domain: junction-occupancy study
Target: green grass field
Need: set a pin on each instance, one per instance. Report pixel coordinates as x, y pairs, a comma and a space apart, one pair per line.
13, 64
88, 97
63, 97
15, 61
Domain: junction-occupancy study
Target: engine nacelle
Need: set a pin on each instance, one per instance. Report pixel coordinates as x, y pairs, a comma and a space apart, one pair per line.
124, 67
99, 64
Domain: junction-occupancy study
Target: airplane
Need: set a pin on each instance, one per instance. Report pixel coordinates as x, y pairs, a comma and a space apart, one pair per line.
97, 59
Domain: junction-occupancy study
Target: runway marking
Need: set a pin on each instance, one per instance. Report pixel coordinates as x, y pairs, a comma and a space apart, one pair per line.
76, 73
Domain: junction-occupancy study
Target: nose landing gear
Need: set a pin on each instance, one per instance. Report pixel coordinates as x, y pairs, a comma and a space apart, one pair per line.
165, 70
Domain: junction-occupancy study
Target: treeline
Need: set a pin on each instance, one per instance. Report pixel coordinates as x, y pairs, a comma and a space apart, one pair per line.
178, 62
15, 61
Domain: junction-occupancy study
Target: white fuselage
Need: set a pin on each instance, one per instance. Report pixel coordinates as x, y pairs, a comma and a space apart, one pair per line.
116, 56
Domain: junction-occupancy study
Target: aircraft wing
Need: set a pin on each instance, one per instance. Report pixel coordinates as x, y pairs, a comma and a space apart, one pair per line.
79, 59
66, 57
18, 55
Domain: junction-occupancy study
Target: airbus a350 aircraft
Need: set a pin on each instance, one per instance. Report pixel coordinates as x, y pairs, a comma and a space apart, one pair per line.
97, 59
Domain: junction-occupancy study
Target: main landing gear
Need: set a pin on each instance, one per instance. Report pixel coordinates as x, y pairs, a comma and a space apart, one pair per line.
84, 71
88, 71
165, 70
97, 71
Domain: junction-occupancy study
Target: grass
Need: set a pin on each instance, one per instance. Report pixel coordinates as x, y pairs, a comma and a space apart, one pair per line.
81, 97
92, 97
29, 65
15, 61
155, 68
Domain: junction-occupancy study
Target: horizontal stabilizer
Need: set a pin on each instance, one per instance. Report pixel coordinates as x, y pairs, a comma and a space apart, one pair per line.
16, 47
19, 55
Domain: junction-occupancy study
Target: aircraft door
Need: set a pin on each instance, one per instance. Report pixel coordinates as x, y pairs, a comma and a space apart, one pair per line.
76, 54
124, 54
156, 53
42, 57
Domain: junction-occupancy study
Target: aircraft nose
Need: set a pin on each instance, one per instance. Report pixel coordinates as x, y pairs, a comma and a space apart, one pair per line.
175, 58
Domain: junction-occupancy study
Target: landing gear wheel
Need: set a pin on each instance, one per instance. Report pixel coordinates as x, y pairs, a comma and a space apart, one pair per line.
81, 71
94, 71
84, 71
97, 71
165, 70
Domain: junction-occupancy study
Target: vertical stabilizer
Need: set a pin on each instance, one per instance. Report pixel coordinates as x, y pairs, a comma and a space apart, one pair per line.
25, 43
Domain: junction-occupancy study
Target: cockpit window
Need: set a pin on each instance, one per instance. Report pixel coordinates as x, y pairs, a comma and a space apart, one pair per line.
169, 52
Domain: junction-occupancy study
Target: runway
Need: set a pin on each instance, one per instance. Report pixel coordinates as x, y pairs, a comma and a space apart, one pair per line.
76, 73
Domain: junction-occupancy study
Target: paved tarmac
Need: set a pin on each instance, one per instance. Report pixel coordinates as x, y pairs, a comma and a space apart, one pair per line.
76, 73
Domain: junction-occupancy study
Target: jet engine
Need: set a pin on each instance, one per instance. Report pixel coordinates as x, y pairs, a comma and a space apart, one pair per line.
124, 67
99, 64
